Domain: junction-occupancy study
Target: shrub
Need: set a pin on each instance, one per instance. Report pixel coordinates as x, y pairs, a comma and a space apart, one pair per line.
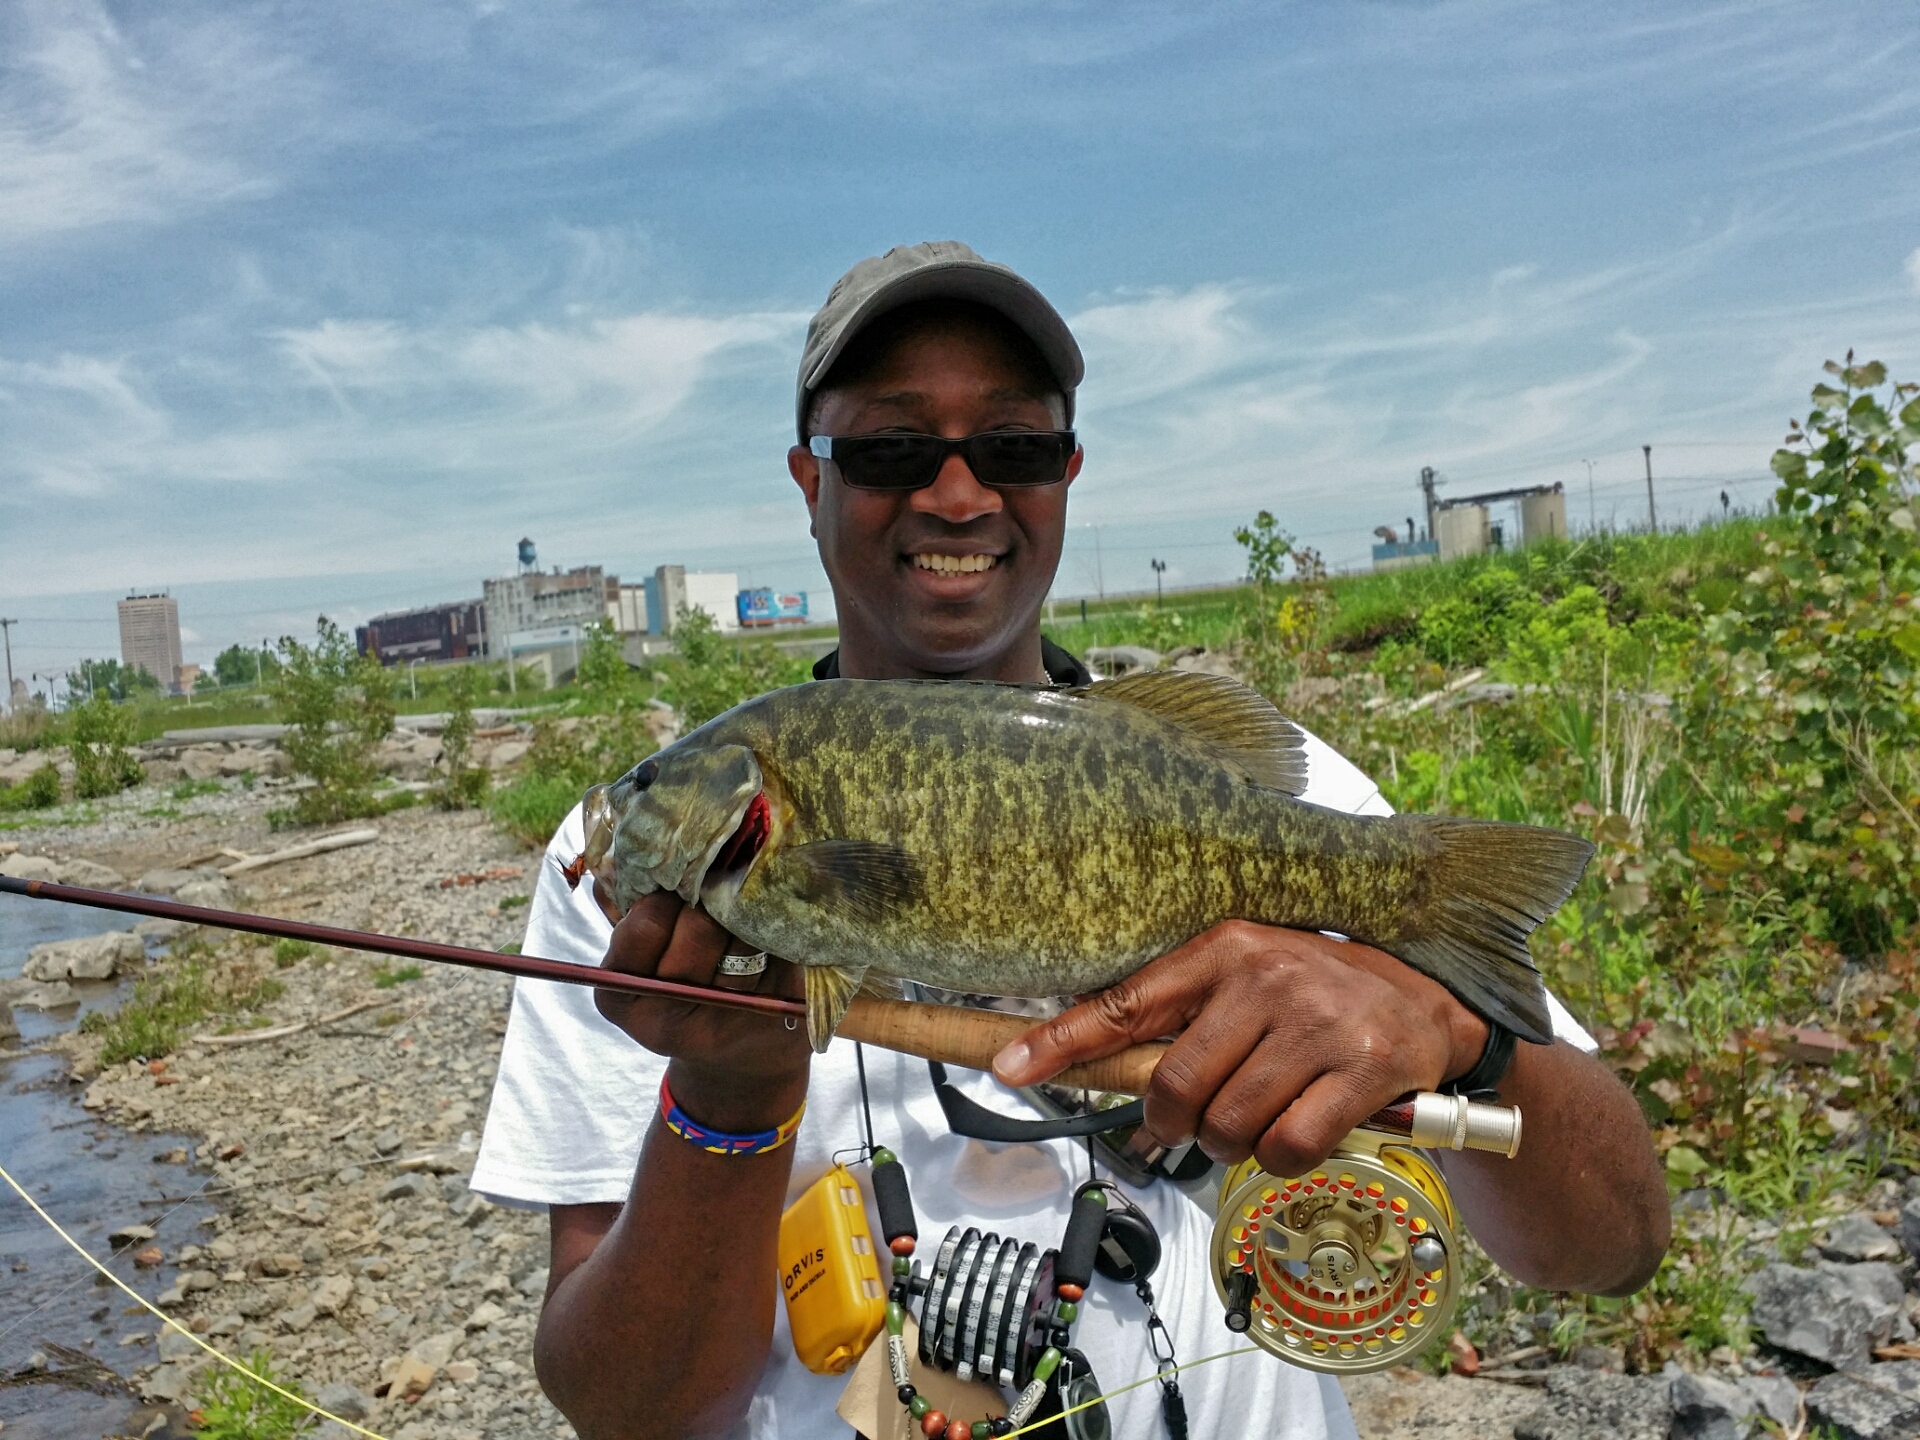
463, 784
391, 977
288, 953
709, 674
102, 764
237, 1406
38, 791
340, 706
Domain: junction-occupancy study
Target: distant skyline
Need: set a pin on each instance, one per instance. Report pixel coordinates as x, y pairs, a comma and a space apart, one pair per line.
321, 309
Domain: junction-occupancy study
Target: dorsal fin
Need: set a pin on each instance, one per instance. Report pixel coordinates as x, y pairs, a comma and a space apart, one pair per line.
1237, 722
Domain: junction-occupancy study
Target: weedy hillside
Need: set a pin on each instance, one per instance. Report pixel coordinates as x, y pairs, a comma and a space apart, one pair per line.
1731, 715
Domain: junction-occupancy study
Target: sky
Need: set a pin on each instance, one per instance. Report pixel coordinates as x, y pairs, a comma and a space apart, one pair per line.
316, 309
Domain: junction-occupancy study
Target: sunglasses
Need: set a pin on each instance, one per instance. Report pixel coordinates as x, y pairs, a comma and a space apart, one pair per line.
1004, 459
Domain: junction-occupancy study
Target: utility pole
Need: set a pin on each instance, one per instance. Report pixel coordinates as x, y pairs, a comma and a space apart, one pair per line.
1159, 595
6, 633
1592, 521
1652, 524
1099, 566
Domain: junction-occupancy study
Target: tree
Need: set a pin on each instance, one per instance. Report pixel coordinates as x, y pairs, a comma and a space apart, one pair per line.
465, 784
244, 665
340, 706
111, 679
102, 764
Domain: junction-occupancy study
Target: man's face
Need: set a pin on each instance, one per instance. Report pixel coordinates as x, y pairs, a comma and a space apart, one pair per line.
947, 580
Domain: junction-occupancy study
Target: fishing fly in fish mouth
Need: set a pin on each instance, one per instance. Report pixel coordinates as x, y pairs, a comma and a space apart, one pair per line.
954, 803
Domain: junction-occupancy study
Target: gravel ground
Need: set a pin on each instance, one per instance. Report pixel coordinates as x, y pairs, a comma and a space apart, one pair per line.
348, 1245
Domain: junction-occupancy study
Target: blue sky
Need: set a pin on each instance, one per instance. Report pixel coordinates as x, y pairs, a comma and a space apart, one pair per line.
321, 307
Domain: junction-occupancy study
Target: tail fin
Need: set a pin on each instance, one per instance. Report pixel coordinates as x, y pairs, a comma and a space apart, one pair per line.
1489, 885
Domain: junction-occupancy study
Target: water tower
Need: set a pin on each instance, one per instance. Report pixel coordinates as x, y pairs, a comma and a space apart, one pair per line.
528, 563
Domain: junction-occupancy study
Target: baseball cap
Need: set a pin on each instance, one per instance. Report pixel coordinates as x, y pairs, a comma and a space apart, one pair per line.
932, 270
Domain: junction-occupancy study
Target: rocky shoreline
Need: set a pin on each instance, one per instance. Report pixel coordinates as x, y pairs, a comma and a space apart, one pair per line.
335, 1131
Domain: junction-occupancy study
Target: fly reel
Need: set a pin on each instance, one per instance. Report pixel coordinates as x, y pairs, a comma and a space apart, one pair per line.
1354, 1267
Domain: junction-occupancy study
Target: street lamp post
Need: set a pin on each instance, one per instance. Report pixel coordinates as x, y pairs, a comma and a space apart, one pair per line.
1159, 595
413, 685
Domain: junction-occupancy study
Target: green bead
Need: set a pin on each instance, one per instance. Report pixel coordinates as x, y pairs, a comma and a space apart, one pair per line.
903, 1265
896, 1319
919, 1406
981, 1430
1066, 1312
1099, 1197
884, 1156
1044, 1367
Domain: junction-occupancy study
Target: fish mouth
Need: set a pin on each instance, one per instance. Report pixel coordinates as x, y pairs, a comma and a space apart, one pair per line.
743, 847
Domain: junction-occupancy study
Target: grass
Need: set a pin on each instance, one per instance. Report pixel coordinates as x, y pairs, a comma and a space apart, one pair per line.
391, 977
288, 953
236, 1406
192, 789
532, 807
192, 987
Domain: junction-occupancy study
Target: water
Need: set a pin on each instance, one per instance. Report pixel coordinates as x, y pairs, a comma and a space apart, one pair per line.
91, 1177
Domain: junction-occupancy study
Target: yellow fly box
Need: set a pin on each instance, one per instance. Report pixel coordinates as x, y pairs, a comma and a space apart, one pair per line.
829, 1274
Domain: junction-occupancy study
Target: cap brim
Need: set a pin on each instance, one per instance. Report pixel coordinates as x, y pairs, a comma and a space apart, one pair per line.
980, 281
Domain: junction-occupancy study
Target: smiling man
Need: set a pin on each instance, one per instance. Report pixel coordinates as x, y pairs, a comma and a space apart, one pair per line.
934, 407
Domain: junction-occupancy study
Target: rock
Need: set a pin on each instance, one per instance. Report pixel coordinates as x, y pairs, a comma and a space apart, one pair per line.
348, 1174
195, 1281
231, 1323
534, 1285
9, 1027
496, 1287
222, 1248
1834, 1313
299, 1318
91, 957
313, 1251
387, 1142
1591, 1405
463, 1372
438, 1349
130, 1235
345, 1401
1910, 1226
148, 1258
1874, 1402
1706, 1407
507, 752
331, 1293
1600, 1357
240, 762
1776, 1397
1859, 1237
175, 1346
168, 1383
165, 881
164, 930
256, 1305
1112, 660
486, 1313
277, 1265
216, 894
29, 867
404, 1187
89, 873
453, 1189
49, 995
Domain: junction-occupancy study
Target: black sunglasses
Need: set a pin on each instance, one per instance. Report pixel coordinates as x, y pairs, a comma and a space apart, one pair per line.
1000, 458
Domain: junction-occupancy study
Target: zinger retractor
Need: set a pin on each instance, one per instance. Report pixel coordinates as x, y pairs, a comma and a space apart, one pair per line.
1354, 1267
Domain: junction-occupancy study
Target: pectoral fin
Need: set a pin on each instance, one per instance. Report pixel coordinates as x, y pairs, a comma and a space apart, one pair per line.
869, 880
830, 988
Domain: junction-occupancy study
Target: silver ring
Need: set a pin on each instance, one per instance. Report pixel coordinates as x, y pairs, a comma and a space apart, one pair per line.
744, 965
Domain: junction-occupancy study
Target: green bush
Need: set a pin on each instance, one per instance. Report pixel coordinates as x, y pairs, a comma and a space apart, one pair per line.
463, 784
98, 737
340, 706
288, 953
38, 791
236, 1406
391, 977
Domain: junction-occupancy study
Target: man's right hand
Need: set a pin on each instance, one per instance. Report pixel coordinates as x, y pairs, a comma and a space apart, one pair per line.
732, 1068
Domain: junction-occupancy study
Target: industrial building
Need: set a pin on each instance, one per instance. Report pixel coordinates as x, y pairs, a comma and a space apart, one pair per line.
1465, 525
673, 588
432, 633
150, 638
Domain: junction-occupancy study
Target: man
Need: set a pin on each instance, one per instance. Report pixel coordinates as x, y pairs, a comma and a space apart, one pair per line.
661, 1318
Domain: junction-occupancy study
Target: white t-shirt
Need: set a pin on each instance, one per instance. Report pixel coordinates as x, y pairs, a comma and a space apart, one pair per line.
574, 1096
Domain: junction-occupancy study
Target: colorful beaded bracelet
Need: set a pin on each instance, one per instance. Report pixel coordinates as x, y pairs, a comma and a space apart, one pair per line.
719, 1142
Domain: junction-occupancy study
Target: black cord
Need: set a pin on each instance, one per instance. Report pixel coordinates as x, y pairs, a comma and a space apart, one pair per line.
866, 1105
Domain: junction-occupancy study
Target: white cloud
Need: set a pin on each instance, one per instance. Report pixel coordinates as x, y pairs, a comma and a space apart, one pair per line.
96, 128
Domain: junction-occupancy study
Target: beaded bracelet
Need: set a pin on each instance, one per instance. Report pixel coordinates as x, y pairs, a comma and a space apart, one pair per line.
719, 1142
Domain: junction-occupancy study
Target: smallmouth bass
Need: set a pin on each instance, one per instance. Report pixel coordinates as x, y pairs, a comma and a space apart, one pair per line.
1028, 840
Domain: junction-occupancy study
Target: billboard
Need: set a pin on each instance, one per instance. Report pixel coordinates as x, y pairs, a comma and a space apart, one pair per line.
767, 606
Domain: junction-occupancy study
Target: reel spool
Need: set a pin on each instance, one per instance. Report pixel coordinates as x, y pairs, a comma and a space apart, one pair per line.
984, 1310
1354, 1267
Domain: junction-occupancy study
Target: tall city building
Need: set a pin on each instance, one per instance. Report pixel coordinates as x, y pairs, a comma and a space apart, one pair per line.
150, 637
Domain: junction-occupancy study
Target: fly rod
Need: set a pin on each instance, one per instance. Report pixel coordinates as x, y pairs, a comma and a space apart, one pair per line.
949, 1034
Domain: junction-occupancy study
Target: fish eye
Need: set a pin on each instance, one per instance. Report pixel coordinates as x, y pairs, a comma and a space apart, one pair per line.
644, 774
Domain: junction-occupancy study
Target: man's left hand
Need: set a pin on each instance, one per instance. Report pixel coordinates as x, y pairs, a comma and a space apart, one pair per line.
1287, 1041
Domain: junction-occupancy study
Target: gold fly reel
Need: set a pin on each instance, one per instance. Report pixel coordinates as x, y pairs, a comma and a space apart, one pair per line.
1349, 1269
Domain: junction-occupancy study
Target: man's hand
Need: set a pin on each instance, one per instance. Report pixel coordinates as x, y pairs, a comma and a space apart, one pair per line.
1288, 1041
732, 1069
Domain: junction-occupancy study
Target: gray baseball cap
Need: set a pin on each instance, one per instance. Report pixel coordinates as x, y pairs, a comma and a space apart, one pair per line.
932, 270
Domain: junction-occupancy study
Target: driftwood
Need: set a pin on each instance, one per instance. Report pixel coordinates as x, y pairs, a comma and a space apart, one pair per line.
280, 1032
340, 841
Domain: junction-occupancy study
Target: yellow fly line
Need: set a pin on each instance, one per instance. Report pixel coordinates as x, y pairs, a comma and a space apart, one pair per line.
171, 1323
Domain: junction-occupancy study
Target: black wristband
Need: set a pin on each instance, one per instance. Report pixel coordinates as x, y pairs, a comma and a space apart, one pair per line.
1482, 1082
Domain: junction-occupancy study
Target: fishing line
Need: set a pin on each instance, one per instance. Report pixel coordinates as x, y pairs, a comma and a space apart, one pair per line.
1135, 1385
173, 1324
